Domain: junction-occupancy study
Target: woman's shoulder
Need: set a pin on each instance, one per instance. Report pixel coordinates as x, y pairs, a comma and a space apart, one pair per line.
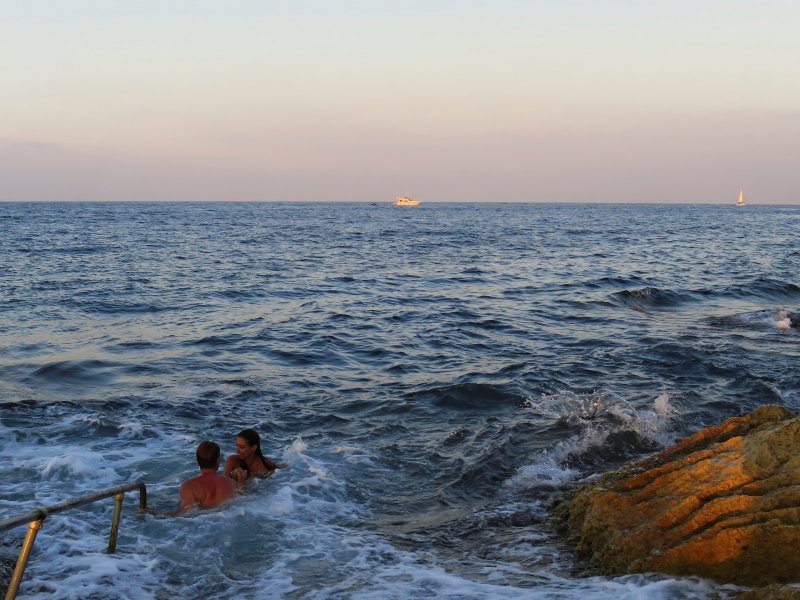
263, 467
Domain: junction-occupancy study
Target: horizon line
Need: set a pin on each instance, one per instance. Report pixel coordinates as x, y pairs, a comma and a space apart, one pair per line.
386, 202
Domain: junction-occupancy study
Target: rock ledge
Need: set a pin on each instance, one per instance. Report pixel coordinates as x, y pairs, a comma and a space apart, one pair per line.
724, 503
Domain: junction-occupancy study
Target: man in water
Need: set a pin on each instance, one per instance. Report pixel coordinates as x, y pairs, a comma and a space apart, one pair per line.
208, 489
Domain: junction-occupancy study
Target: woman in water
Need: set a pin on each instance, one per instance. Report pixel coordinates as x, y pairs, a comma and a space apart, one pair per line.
249, 461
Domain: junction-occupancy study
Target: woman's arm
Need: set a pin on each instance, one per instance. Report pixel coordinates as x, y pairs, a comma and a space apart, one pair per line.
233, 470
230, 464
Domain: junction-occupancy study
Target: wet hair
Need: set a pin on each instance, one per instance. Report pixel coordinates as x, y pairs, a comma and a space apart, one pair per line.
251, 437
207, 455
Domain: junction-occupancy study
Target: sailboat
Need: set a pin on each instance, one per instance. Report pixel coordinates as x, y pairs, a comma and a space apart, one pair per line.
740, 201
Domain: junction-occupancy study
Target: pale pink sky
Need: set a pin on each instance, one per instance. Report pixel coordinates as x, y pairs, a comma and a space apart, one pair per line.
604, 101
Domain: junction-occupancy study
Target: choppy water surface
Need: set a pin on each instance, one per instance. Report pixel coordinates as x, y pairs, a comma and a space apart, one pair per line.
434, 377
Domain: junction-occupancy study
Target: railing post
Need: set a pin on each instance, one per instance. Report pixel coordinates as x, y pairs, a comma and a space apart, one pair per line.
112, 538
142, 497
22, 560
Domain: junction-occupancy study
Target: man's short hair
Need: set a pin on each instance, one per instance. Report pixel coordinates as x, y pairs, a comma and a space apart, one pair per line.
207, 455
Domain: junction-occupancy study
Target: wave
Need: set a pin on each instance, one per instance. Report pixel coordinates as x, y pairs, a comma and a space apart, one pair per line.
77, 371
123, 307
779, 318
241, 294
604, 432
137, 345
470, 397
765, 288
215, 340
647, 298
605, 282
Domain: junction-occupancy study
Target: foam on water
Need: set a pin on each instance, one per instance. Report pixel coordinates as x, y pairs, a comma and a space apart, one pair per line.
300, 533
782, 319
304, 524
405, 577
300, 513
596, 417
778, 318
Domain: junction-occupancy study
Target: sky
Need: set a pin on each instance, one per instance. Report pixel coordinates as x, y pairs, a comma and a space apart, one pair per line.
442, 100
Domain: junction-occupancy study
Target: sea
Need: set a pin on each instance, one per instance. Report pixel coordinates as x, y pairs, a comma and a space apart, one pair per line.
436, 378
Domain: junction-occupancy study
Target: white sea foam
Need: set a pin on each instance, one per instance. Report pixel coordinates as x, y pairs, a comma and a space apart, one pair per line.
76, 461
779, 318
547, 471
397, 574
663, 407
131, 429
282, 503
347, 450
294, 518
782, 319
354, 455
297, 448
596, 417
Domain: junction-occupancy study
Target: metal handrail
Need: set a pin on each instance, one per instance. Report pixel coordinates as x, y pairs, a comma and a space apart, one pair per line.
35, 520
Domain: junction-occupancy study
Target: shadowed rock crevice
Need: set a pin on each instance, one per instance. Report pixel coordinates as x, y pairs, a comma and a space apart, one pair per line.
724, 503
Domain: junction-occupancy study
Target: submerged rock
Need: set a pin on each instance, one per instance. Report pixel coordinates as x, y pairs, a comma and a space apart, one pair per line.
724, 503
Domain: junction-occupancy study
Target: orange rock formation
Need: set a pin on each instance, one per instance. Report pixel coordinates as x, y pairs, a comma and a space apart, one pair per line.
724, 503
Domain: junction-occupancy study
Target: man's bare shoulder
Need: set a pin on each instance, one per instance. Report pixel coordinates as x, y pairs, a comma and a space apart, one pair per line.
192, 484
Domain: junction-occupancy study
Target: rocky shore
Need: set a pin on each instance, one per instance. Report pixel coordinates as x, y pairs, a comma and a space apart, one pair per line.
723, 503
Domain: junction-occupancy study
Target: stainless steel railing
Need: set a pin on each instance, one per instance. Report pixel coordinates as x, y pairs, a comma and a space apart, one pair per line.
35, 520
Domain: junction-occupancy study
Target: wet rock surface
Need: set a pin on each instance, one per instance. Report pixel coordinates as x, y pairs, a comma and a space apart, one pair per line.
723, 503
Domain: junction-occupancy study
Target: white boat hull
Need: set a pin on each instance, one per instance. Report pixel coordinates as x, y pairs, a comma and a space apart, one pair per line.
405, 201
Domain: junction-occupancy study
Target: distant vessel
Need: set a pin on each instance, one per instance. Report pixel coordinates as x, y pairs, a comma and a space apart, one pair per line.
740, 201
406, 201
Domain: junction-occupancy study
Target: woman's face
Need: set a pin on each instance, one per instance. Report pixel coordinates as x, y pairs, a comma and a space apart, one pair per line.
243, 449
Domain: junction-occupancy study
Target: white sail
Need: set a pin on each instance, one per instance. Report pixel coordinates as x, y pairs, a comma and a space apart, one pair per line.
740, 201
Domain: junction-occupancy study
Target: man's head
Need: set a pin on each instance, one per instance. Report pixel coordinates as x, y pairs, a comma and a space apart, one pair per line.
208, 455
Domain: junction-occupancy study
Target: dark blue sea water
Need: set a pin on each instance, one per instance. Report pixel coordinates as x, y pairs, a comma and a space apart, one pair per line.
434, 376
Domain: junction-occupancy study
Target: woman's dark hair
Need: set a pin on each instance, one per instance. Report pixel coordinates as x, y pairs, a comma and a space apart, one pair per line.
251, 437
